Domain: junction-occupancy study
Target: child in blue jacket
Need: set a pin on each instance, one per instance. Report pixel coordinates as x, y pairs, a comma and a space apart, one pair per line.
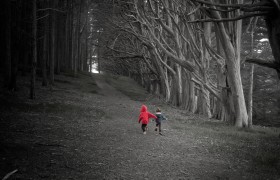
160, 118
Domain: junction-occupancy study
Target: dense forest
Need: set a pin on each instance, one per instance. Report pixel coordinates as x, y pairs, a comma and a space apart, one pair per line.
221, 60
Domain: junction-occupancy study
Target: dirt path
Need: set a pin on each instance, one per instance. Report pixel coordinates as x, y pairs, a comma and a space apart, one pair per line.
123, 152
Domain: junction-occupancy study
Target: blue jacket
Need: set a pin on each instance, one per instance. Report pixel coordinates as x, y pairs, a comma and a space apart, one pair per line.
160, 117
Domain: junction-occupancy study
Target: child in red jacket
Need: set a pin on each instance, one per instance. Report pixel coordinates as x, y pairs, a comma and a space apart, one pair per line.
144, 117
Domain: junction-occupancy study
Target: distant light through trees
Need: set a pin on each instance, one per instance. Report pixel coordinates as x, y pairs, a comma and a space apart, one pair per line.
94, 68
263, 39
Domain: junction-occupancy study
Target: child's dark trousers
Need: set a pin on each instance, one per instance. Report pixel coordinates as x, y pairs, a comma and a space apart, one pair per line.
144, 126
159, 127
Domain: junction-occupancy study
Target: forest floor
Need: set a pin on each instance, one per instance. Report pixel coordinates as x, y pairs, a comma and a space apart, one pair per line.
86, 128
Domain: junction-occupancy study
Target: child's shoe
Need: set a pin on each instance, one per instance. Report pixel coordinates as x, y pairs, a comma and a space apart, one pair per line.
144, 132
156, 129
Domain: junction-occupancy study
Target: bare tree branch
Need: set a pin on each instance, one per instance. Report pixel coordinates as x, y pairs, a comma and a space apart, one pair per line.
149, 64
277, 4
230, 19
266, 63
125, 52
236, 6
192, 12
42, 17
58, 10
164, 63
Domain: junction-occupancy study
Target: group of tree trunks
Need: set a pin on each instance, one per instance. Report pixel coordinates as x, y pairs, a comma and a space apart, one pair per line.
44, 38
189, 51
186, 51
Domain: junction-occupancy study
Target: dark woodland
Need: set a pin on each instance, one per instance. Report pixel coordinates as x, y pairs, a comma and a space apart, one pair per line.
74, 74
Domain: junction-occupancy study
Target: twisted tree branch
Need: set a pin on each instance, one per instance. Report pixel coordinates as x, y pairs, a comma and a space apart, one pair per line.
230, 19
266, 63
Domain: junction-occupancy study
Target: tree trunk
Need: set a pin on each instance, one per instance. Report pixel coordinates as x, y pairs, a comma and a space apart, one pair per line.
167, 90
185, 86
234, 77
58, 45
205, 99
90, 60
180, 89
71, 34
163, 85
250, 96
8, 46
86, 51
176, 85
205, 64
86, 34
251, 80
66, 36
34, 59
16, 39
82, 57
73, 45
75, 55
191, 104
78, 60
53, 43
227, 112
45, 56
98, 54
64, 39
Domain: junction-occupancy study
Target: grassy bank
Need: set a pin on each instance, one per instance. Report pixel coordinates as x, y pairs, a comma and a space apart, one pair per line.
38, 136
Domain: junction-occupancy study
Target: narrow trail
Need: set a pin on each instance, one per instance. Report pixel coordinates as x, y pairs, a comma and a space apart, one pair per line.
123, 152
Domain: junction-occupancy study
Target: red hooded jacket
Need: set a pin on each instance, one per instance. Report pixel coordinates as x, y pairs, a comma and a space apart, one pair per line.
145, 115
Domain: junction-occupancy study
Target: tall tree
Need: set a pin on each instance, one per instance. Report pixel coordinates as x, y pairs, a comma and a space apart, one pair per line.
53, 39
34, 58
8, 44
270, 10
45, 52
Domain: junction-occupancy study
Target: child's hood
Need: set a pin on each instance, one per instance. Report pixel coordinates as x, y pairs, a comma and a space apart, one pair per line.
144, 108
